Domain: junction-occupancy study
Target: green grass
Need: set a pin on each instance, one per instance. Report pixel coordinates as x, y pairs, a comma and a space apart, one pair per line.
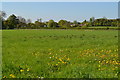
100, 28
105, 27
0, 54
60, 54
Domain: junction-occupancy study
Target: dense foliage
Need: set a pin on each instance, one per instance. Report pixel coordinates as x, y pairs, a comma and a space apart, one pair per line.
18, 22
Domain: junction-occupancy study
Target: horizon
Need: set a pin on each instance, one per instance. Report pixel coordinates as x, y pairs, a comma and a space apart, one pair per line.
56, 11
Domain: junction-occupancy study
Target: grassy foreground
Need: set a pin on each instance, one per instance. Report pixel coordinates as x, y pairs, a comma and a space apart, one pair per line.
60, 54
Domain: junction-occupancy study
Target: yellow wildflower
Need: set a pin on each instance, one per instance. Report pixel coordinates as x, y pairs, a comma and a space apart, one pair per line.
63, 62
116, 67
102, 50
58, 62
68, 59
28, 69
98, 53
117, 49
116, 63
4, 77
21, 70
64, 55
106, 61
113, 68
99, 61
11, 75
56, 57
98, 65
60, 59
50, 53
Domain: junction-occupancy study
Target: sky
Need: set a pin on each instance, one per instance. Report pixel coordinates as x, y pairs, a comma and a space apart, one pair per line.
69, 11
119, 10
60, 0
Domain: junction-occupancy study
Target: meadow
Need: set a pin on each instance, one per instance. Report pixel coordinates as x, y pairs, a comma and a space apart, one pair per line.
60, 53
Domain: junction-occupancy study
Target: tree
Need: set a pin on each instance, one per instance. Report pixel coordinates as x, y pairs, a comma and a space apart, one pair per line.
5, 24
61, 23
28, 21
31, 26
92, 19
84, 22
52, 24
75, 22
2, 16
118, 22
21, 19
22, 22
39, 24
12, 21
67, 25
104, 17
39, 20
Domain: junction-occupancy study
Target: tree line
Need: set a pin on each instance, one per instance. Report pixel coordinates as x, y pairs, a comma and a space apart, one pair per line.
18, 22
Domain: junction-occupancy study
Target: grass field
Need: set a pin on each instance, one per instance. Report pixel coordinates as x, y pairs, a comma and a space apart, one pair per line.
60, 54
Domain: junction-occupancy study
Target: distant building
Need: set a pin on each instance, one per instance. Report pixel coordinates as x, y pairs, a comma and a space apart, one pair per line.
45, 25
72, 25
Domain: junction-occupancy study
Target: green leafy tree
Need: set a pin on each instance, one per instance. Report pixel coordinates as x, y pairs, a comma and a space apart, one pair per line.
6, 24
75, 22
61, 23
22, 22
21, 19
31, 26
2, 16
39, 24
12, 21
21, 25
92, 19
51, 24
39, 20
28, 21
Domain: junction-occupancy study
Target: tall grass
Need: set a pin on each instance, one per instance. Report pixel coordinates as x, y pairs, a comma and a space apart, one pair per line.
60, 54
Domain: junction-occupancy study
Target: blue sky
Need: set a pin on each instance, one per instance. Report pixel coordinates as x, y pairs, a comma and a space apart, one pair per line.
60, 0
61, 10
